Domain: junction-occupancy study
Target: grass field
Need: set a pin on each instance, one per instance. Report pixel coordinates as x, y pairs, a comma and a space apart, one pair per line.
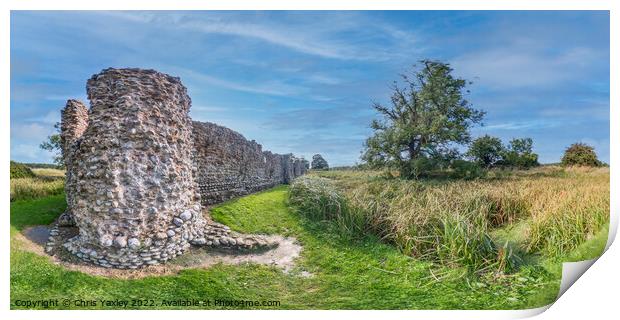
350, 270
453, 222
46, 182
49, 172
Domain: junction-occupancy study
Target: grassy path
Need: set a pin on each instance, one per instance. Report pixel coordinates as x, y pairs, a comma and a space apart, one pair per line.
347, 274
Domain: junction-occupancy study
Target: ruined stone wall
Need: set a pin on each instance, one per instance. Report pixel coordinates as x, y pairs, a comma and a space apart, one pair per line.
228, 165
74, 121
134, 200
138, 170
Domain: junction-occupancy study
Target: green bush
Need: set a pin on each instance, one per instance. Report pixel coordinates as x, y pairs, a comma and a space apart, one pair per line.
467, 170
19, 170
417, 168
580, 154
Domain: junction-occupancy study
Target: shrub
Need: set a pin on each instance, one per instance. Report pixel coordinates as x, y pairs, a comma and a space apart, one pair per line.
417, 168
463, 169
19, 170
580, 154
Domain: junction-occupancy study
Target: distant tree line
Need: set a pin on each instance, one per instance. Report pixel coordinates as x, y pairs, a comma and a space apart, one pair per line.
488, 151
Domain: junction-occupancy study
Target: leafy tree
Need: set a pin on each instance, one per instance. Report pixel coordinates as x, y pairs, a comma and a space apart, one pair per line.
54, 145
519, 154
422, 124
486, 150
580, 154
318, 163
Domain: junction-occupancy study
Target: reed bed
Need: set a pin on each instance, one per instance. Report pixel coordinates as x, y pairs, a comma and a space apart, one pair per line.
451, 221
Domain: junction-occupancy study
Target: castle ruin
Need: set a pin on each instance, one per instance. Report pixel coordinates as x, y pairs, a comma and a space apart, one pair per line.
140, 172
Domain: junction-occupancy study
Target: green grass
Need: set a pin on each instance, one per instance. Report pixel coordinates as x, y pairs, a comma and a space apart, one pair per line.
360, 273
562, 207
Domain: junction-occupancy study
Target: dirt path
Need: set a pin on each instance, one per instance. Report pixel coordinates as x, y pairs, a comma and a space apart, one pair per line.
283, 257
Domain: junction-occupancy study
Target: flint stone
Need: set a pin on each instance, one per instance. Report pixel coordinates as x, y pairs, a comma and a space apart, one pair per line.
186, 215
177, 221
133, 243
120, 241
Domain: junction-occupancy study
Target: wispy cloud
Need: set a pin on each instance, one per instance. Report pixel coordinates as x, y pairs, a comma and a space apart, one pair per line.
50, 118
270, 87
209, 108
514, 66
522, 125
33, 131
308, 34
313, 75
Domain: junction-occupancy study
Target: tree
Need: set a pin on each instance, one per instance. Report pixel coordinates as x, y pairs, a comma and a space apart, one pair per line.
580, 154
53, 145
519, 154
424, 121
486, 150
318, 163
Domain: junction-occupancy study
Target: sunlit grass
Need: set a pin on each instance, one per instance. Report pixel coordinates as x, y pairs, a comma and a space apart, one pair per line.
350, 269
32, 188
452, 221
49, 172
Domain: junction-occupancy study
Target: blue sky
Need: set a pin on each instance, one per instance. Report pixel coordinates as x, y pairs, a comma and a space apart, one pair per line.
304, 82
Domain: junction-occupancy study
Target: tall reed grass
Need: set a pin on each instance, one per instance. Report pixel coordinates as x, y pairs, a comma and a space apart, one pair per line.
32, 188
452, 221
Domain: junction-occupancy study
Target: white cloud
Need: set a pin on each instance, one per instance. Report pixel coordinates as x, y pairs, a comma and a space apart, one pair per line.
520, 125
521, 66
209, 108
270, 87
50, 118
29, 153
323, 79
24, 131
308, 34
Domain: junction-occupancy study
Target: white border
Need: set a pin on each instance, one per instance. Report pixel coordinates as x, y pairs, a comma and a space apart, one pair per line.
597, 290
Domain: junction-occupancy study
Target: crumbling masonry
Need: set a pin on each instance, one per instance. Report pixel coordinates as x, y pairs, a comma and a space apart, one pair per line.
139, 172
